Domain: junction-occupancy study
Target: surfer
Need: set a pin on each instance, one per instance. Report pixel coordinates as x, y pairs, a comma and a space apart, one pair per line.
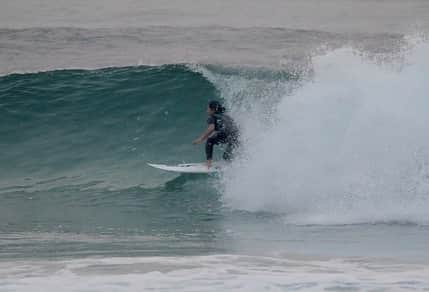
221, 130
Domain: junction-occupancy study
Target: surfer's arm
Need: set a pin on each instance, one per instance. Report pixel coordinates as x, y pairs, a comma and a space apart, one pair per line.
205, 135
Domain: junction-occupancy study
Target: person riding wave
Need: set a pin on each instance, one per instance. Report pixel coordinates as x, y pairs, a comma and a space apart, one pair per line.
221, 130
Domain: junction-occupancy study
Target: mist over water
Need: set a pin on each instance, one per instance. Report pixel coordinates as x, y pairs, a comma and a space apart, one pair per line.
347, 146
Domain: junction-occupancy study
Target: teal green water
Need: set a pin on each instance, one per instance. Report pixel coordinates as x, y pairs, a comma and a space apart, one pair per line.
58, 121
75, 183
75, 146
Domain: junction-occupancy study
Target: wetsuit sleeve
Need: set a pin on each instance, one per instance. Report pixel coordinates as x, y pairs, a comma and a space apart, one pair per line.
211, 120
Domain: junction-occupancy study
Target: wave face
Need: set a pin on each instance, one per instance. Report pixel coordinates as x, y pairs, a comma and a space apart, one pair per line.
73, 154
99, 126
346, 146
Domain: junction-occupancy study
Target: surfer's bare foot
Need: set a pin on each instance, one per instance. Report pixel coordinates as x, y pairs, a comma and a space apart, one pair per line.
209, 163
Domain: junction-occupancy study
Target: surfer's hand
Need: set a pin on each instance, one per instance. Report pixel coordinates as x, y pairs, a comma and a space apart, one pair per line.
197, 141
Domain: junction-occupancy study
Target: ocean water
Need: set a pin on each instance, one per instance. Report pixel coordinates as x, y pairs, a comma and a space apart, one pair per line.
330, 191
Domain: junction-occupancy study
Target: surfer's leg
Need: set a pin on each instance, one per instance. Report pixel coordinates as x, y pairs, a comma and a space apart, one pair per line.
227, 155
216, 138
231, 147
209, 149
211, 141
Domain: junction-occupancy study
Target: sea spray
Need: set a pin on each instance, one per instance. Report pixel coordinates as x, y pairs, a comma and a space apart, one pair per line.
348, 146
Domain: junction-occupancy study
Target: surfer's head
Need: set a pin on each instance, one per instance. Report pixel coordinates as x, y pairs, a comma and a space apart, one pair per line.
215, 108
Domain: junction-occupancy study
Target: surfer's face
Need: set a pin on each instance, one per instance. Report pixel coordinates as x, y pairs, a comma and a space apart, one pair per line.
210, 111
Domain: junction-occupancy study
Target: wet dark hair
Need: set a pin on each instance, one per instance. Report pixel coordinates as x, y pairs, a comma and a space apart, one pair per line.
216, 106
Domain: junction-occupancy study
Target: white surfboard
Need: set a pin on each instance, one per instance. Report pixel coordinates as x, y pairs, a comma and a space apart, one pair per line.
189, 167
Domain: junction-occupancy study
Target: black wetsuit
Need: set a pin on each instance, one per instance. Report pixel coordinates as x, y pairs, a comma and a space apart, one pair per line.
226, 132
